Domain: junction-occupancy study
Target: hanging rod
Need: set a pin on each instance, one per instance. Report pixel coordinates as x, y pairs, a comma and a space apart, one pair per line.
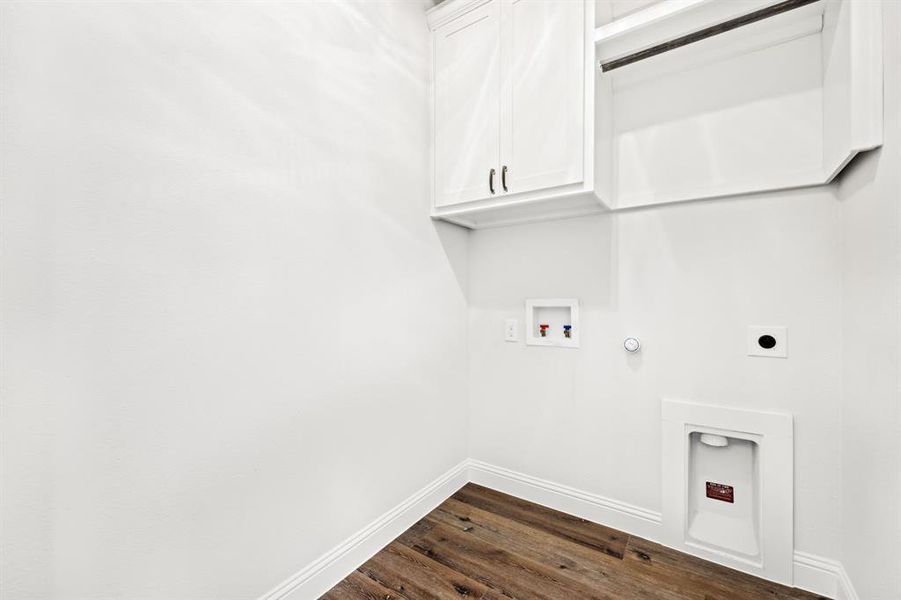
753, 17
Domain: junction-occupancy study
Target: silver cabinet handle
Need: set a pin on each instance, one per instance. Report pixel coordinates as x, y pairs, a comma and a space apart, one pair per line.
491, 180
504, 177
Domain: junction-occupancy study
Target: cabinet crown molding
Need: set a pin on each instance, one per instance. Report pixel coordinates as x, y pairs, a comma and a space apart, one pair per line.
450, 10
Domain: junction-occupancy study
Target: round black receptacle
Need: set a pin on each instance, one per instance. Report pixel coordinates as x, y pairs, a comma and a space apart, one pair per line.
767, 341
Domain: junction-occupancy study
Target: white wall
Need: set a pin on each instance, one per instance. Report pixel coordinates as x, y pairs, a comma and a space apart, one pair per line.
687, 280
871, 413
230, 337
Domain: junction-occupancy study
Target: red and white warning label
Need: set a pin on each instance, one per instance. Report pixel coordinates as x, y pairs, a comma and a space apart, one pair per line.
721, 491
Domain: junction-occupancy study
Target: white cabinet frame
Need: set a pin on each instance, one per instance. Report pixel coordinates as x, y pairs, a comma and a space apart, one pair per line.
572, 199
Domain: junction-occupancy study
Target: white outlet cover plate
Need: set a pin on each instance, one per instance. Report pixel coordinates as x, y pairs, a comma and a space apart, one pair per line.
511, 330
780, 350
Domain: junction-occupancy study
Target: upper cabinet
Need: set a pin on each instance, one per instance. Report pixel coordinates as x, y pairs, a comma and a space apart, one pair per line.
513, 110
551, 108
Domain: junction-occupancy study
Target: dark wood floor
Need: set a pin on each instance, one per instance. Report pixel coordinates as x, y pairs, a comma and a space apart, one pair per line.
485, 544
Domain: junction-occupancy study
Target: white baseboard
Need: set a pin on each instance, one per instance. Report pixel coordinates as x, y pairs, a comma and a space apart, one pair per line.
612, 513
846, 589
823, 576
321, 575
815, 574
812, 573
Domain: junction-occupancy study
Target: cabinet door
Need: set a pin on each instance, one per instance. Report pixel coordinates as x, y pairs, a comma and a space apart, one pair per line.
467, 105
542, 115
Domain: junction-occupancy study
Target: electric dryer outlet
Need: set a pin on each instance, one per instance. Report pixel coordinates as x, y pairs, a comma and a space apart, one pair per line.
768, 341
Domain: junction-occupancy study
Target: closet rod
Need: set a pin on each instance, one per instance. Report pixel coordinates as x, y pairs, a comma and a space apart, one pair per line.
757, 15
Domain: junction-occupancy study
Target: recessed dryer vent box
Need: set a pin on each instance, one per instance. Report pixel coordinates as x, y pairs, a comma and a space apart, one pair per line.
552, 322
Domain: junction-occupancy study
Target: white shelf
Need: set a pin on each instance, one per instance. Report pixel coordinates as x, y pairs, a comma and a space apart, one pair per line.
778, 103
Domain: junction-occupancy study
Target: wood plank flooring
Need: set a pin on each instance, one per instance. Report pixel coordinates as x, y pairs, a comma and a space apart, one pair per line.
484, 544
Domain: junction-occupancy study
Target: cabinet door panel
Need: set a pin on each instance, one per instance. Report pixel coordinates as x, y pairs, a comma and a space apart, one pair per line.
467, 105
542, 118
